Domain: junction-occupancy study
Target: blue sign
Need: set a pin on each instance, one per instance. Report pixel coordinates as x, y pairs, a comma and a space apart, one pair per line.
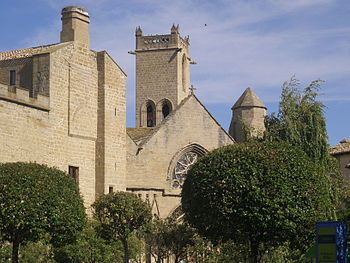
331, 242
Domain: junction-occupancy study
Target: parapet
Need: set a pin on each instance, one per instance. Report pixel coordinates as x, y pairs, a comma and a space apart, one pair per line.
78, 9
21, 96
172, 40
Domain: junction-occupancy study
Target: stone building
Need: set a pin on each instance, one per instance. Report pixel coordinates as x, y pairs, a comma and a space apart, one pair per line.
64, 105
342, 153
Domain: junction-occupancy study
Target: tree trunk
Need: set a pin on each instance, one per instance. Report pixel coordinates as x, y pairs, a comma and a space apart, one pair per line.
254, 252
126, 250
15, 250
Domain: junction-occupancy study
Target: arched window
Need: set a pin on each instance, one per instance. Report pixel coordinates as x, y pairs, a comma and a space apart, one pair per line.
182, 163
151, 120
166, 108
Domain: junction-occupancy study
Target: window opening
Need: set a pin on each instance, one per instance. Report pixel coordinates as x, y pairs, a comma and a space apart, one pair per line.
110, 189
150, 116
12, 77
73, 172
184, 72
165, 110
183, 165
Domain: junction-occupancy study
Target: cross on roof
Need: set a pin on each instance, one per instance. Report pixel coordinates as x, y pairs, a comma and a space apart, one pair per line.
192, 89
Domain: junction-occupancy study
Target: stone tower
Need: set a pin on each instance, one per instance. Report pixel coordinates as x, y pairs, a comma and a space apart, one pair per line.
75, 25
248, 114
162, 75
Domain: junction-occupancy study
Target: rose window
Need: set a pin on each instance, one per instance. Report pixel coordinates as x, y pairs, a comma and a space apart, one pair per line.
183, 165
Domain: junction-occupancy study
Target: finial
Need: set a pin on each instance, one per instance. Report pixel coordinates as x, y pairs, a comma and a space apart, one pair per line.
192, 89
175, 29
138, 31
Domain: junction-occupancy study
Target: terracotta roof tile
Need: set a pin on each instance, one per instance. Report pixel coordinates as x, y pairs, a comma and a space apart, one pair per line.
342, 147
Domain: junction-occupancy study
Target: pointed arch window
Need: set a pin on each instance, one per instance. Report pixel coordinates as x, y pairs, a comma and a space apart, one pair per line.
151, 117
166, 108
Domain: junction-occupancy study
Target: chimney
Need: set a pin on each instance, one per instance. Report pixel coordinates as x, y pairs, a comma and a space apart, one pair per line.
75, 25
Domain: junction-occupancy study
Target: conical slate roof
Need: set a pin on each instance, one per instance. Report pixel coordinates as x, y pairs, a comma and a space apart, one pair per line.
249, 99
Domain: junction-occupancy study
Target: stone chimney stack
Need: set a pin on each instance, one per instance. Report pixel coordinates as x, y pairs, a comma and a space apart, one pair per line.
75, 25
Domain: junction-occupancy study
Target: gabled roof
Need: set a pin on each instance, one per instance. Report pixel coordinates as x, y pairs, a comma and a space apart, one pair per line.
139, 134
249, 99
146, 134
341, 148
29, 52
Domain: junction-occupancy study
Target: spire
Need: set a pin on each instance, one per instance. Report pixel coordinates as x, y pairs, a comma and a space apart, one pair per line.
138, 31
248, 99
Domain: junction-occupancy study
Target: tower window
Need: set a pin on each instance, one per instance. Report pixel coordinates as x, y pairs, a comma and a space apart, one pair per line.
184, 72
150, 116
74, 173
165, 110
12, 77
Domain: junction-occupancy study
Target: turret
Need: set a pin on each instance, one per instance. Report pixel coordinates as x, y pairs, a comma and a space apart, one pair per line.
75, 25
248, 116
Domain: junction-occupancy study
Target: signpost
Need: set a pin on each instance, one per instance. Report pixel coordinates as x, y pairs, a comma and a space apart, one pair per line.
331, 242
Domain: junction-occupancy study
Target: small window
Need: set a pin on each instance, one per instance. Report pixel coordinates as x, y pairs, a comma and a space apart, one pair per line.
165, 110
150, 116
12, 77
74, 173
110, 189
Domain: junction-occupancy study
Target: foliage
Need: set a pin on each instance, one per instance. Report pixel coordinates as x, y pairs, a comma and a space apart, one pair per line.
31, 252
156, 239
118, 215
88, 248
258, 195
300, 120
35, 200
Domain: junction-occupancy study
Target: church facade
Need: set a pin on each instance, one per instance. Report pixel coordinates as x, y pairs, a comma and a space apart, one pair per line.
64, 105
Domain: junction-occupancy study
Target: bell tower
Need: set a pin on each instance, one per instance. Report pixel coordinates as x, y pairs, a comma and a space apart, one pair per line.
162, 75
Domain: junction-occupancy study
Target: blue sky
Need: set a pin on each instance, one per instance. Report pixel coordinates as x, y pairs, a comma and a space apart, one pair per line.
256, 43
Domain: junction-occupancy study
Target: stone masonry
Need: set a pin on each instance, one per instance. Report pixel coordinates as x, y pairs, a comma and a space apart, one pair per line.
64, 102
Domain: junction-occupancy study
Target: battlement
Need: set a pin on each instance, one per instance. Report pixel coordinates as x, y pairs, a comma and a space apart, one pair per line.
172, 40
21, 96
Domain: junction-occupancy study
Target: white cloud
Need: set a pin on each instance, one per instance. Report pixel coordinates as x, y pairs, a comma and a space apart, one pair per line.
257, 44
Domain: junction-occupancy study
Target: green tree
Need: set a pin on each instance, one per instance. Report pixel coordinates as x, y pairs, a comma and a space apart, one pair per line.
259, 195
300, 120
119, 214
36, 200
178, 238
88, 248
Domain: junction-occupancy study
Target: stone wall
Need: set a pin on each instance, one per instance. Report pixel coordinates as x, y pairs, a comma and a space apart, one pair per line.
111, 148
63, 132
149, 164
162, 72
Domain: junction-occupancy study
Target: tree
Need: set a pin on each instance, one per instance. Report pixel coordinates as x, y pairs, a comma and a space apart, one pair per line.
119, 214
36, 199
300, 120
88, 248
255, 194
